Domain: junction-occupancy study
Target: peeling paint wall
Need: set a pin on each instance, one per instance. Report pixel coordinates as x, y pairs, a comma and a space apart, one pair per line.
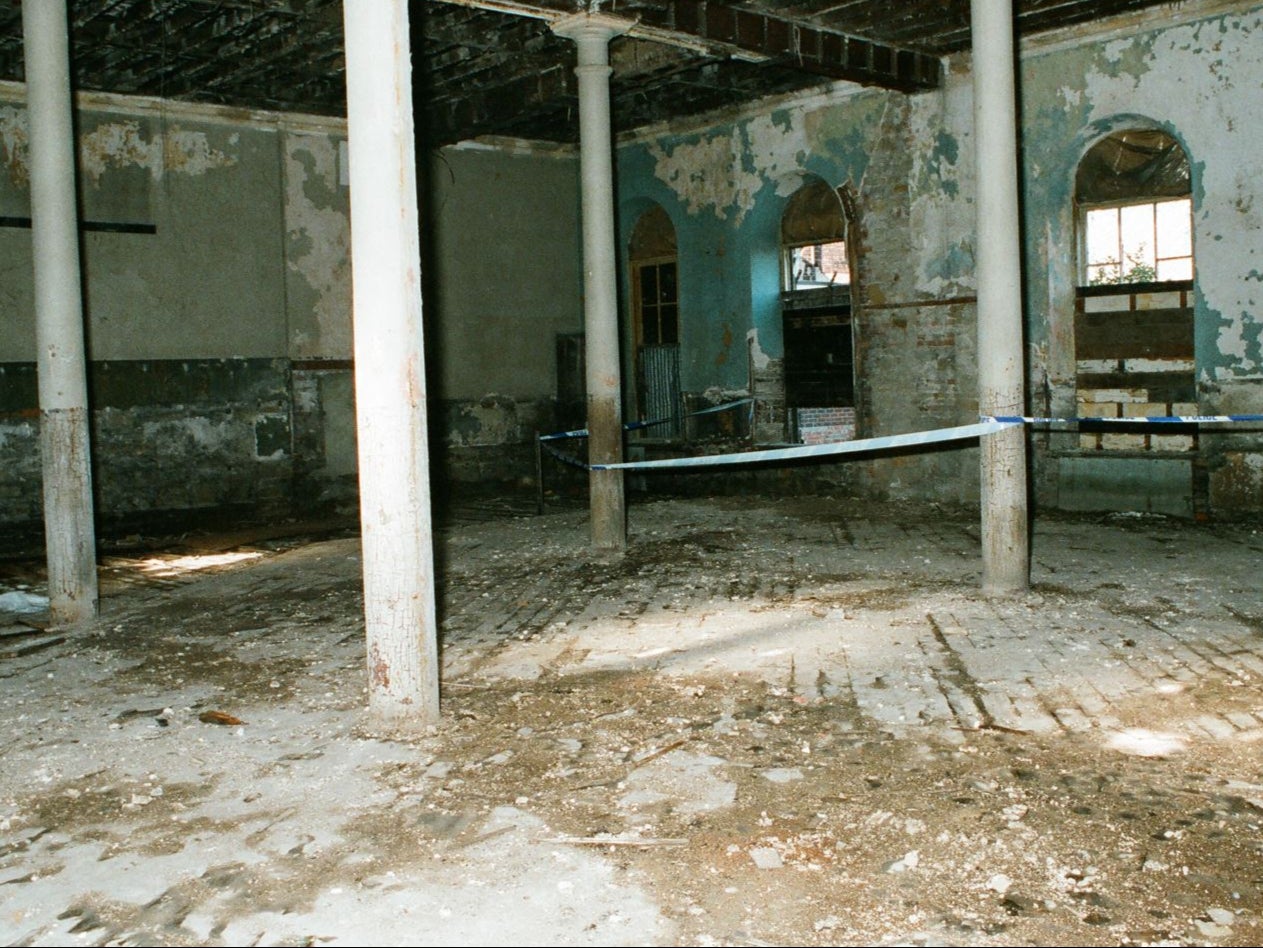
1200, 81
186, 326
502, 274
207, 283
910, 162
14, 146
726, 189
247, 280
122, 144
249, 267
317, 246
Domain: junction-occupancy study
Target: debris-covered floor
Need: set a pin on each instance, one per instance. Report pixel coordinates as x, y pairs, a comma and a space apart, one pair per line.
773, 722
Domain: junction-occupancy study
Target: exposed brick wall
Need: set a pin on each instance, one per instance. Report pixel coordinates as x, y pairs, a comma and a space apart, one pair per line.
825, 425
915, 351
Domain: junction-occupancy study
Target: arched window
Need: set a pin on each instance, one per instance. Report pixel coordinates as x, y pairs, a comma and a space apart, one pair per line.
813, 240
1135, 210
655, 287
816, 315
1134, 310
656, 320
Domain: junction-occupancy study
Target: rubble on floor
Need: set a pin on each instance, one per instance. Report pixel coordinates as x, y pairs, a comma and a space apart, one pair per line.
773, 721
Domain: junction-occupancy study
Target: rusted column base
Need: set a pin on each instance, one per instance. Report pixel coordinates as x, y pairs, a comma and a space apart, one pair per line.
606, 502
1005, 540
68, 516
609, 517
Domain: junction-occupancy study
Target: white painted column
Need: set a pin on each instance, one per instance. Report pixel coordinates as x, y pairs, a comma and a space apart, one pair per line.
390, 394
1005, 533
592, 34
70, 536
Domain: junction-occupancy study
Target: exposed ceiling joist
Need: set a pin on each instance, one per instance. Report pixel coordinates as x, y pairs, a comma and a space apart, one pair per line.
800, 45
493, 108
495, 67
723, 29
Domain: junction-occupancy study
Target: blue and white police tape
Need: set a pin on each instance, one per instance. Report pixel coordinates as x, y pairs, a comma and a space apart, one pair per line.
637, 425
562, 435
1141, 419
911, 439
562, 456
727, 406
724, 407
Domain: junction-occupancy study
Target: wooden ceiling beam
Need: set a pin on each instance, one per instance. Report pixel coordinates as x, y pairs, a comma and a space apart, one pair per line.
491, 108
767, 38
717, 28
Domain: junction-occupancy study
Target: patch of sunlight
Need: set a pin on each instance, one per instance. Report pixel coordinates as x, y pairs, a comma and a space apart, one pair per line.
1141, 742
174, 566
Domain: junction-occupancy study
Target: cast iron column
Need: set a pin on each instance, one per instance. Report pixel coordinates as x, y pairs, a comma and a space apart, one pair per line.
390, 395
592, 34
1005, 539
70, 536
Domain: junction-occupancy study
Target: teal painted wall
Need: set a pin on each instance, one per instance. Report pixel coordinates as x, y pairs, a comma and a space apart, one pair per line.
725, 190
910, 162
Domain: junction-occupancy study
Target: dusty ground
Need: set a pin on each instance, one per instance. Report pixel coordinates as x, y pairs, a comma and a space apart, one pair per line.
772, 722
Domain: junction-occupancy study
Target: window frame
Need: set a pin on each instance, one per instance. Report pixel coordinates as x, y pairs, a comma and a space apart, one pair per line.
1085, 265
638, 301
789, 284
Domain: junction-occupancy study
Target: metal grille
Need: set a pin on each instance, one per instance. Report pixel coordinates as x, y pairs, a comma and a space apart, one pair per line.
660, 383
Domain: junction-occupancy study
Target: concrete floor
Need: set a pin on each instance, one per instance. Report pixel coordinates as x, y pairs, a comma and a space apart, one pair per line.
774, 721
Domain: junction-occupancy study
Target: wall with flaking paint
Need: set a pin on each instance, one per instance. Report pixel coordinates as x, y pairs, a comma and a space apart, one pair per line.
220, 346
248, 270
726, 188
317, 246
207, 284
910, 163
1200, 80
502, 274
186, 325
